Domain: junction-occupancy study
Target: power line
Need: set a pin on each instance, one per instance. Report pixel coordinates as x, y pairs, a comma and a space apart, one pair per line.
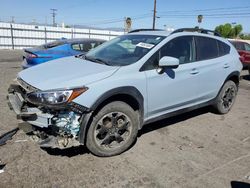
206, 10
174, 14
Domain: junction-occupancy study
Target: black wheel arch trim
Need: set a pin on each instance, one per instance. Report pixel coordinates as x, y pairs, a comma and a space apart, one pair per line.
126, 90
235, 73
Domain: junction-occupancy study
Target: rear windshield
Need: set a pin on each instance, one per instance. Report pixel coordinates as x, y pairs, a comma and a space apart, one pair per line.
52, 44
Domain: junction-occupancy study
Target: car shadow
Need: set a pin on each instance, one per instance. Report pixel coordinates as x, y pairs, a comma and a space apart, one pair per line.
173, 120
80, 150
246, 77
238, 184
67, 152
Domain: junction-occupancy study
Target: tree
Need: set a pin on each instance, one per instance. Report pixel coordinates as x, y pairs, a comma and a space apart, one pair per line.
245, 36
228, 31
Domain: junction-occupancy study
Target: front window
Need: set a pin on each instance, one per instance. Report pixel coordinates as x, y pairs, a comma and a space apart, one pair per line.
124, 50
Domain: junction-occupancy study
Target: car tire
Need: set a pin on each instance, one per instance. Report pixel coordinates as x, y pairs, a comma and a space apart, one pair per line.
226, 97
112, 130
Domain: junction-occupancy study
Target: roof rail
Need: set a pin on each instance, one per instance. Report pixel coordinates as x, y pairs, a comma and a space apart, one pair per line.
206, 31
138, 30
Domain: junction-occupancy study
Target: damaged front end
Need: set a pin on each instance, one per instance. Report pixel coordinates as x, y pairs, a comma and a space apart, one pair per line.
51, 118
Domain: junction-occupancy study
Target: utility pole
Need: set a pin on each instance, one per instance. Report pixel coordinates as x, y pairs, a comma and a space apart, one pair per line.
154, 16
12, 19
54, 16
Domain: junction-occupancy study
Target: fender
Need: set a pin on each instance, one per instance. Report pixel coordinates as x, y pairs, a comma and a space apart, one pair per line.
126, 90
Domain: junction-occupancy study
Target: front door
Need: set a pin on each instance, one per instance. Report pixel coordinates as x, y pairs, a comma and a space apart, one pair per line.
175, 88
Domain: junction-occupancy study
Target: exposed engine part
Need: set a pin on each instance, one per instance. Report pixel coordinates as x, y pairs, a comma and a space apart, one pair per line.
50, 141
68, 122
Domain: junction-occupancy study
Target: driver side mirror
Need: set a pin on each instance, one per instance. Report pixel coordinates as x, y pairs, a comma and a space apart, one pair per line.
169, 62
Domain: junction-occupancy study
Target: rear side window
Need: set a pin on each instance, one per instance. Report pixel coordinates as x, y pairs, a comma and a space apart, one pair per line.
206, 48
247, 47
239, 45
224, 49
85, 47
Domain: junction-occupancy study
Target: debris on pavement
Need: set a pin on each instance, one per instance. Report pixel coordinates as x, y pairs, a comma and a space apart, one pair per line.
2, 167
247, 177
21, 141
7, 136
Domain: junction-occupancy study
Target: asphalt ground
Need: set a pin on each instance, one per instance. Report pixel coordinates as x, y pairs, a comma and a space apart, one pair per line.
195, 149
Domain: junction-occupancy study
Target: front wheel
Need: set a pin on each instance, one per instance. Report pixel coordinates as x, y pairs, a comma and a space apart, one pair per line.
113, 129
226, 97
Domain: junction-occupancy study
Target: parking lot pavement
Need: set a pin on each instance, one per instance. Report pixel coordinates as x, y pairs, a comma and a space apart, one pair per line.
196, 149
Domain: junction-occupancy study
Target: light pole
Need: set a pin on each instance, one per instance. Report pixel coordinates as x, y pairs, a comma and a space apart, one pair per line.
154, 15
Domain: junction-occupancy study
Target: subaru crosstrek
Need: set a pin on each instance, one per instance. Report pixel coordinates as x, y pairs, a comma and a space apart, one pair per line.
103, 98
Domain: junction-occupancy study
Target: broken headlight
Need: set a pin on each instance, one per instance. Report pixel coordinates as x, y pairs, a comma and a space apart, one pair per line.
55, 97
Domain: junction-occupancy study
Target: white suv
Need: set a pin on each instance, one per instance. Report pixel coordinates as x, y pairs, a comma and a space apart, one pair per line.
103, 98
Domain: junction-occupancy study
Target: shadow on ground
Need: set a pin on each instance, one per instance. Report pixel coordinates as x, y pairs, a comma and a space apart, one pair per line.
80, 150
173, 120
68, 152
246, 77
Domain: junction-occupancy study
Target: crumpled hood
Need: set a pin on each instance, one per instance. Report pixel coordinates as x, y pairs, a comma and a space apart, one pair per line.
65, 73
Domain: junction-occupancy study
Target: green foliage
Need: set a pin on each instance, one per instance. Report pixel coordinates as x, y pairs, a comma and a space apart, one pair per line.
229, 31
244, 37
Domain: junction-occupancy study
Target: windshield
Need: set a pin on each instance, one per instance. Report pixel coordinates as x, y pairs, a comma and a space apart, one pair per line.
124, 50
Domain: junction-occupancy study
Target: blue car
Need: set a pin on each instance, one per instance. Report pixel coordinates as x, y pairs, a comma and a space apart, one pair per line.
58, 49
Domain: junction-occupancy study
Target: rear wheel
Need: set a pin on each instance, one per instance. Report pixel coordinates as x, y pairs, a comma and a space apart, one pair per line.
226, 98
113, 129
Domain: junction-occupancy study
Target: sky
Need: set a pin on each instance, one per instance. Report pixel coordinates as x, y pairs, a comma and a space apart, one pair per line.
111, 13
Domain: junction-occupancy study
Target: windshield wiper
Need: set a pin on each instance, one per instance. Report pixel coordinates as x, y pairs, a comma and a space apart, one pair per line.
96, 60
82, 55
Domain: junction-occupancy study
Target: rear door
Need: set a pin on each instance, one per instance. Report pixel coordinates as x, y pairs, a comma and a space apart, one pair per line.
213, 64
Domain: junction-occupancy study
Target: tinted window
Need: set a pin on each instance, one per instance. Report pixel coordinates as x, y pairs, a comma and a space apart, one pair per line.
238, 45
247, 47
223, 48
180, 48
206, 48
76, 47
85, 46
52, 44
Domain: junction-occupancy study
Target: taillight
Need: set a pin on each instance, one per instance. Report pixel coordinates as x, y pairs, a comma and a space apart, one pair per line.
242, 59
31, 55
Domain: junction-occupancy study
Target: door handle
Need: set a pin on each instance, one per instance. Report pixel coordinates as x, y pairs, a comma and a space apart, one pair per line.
226, 65
194, 71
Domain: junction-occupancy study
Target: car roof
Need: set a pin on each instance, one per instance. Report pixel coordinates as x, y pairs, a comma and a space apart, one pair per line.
157, 33
181, 31
82, 40
237, 41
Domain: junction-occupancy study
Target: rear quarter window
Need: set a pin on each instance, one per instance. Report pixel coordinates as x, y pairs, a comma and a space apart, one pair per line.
206, 48
224, 49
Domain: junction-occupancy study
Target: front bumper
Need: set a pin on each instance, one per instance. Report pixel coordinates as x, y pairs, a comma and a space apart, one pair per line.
32, 115
48, 121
